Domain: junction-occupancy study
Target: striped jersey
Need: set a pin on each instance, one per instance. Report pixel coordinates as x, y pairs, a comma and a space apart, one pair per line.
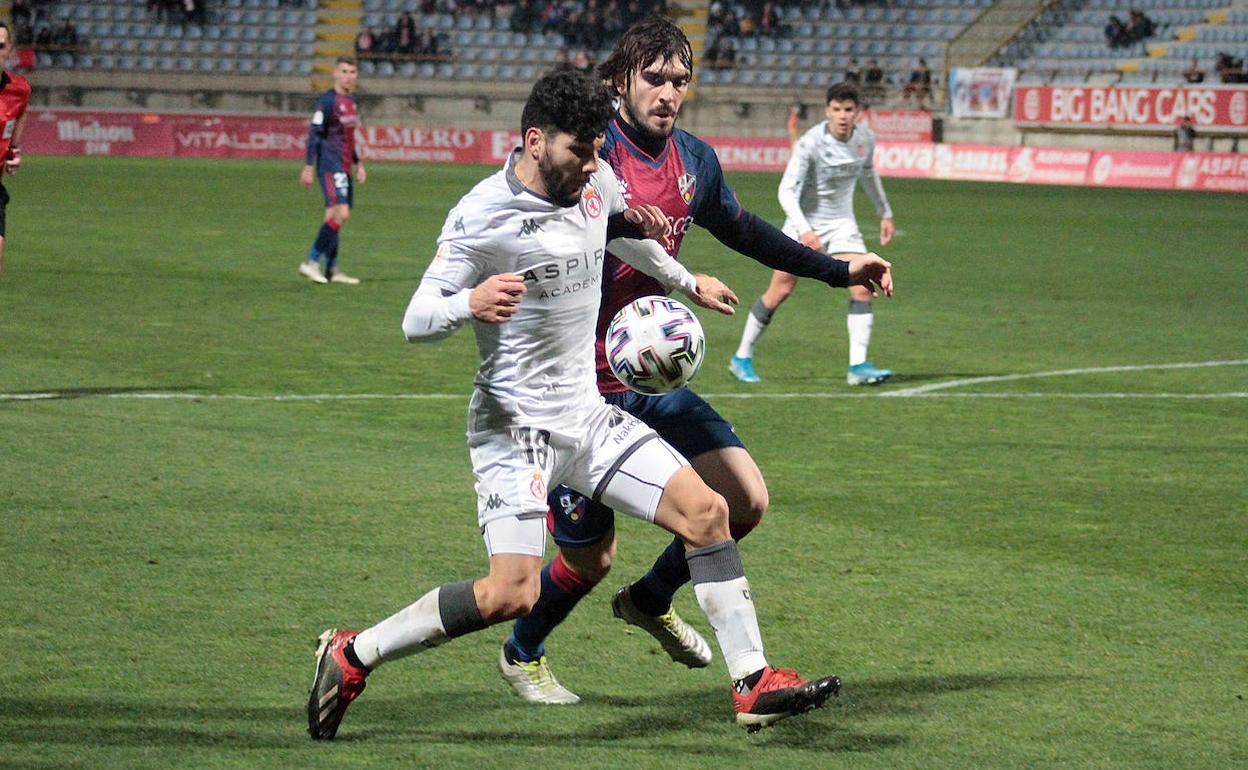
331, 137
686, 182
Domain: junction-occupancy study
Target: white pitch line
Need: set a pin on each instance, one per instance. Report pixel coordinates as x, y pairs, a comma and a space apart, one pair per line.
924, 389
932, 390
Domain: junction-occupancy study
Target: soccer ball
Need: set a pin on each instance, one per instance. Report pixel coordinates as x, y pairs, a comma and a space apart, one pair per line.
655, 345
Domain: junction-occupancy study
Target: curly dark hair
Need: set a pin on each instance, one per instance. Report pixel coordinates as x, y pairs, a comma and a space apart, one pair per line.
844, 91
568, 101
655, 37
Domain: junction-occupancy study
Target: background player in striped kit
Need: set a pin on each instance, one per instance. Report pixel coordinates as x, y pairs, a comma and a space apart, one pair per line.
331, 155
661, 165
817, 195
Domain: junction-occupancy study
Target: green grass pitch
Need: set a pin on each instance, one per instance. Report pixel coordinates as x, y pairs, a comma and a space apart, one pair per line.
1008, 567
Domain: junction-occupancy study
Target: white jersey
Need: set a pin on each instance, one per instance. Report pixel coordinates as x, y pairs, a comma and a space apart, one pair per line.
540, 364
817, 189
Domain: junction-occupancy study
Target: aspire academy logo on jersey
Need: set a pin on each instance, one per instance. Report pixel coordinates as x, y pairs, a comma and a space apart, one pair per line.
529, 227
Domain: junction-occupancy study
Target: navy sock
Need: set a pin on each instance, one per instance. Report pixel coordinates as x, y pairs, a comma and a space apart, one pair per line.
331, 258
561, 590
326, 240
653, 593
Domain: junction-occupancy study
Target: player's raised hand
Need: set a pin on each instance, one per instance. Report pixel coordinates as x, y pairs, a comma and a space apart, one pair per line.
496, 299
873, 272
305, 176
713, 294
649, 218
886, 231
811, 240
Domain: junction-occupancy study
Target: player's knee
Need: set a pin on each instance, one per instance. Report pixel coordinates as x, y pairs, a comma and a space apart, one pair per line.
341, 214
706, 520
591, 565
509, 600
746, 515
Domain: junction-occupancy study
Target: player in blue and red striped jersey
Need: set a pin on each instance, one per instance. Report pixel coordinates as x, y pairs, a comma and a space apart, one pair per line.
329, 159
14, 97
659, 164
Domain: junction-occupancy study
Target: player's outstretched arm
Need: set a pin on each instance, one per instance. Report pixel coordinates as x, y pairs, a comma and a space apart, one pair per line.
713, 294
873, 272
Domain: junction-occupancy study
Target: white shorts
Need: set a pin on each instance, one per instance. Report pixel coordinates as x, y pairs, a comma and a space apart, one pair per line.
840, 236
611, 456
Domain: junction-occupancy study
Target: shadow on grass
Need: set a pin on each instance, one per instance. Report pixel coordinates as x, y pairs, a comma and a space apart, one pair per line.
58, 394
687, 722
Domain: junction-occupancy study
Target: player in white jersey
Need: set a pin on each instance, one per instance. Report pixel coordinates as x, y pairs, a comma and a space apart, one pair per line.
521, 257
817, 195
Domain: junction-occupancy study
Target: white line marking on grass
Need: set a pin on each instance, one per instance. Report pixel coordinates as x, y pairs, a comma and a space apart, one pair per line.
932, 390
919, 390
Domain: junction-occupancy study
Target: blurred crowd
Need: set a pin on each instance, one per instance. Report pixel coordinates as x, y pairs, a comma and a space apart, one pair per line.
1123, 34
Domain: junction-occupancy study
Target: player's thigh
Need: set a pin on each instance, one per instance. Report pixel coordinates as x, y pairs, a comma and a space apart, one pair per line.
691, 510
577, 522
781, 286
340, 213
512, 467
622, 463
336, 187
732, 472
682, 418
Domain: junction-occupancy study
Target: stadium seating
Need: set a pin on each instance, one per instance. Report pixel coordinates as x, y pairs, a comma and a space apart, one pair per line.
282, 34
1068, 45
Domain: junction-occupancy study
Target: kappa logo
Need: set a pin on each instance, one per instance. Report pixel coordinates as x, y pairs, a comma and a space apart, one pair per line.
494, 502
529, 227
688, 185
459, 225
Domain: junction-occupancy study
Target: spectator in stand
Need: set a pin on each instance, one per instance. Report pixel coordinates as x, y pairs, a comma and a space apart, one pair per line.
873, 82
581, 62
364, 43
405, 34
1185, 136
429, 46
1230, 69
920, 85
523, 16
1193, 73
769, 20
20, 12
853, 73
1115, 32
1139, 27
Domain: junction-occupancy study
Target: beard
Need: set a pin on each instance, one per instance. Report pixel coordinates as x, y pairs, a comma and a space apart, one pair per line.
562, 186
638, 122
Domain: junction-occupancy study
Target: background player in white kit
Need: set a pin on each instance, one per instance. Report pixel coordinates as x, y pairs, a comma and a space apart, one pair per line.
817, 195
521, 255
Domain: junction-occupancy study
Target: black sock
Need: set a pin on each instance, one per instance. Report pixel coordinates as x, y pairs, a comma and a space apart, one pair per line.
743, 686
348, 652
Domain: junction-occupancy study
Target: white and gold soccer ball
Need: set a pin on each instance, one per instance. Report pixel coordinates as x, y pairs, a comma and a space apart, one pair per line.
655, 345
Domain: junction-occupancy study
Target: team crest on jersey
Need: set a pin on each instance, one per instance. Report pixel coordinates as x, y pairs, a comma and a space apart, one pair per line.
537, 487
687, 184
862, 149
593, 203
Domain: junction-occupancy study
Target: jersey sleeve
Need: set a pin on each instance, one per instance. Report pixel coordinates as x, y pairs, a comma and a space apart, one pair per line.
463, 259
317, 128
796, 175
716, 204
869, 178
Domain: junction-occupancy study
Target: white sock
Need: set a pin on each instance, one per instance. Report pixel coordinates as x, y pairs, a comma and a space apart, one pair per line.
755, 324
730, 609
412, 629
859, 323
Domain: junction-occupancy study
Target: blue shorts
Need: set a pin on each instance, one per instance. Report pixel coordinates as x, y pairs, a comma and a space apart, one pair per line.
337, 187
682, 418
